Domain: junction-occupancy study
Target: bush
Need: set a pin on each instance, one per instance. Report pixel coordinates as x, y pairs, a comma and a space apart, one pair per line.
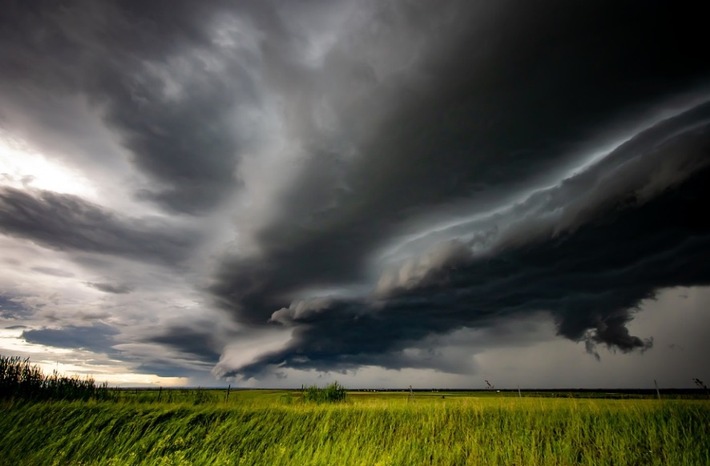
330, 394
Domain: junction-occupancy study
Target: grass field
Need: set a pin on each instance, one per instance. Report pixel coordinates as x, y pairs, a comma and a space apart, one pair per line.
277, 427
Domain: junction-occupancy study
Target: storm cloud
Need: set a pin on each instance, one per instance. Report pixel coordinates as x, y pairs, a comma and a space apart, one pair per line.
484, 122
491, 126
97, 338
69, 223
263, 186
590, 280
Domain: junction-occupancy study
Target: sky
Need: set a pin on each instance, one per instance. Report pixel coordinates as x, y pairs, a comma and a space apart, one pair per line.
380, 192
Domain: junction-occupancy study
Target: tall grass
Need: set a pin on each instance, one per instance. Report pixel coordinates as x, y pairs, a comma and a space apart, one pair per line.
21, 380
258, 428
276, 427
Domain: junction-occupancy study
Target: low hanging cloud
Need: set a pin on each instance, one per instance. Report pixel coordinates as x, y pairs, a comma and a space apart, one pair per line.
200, 343
66, 222
633, 227
98, 338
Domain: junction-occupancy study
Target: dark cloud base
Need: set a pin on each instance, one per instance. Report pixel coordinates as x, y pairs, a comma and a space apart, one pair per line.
476, 122
67, 222
198, 343
590, 280
98, 338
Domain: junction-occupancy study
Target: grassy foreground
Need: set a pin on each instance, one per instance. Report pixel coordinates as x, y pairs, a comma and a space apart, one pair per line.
273, 428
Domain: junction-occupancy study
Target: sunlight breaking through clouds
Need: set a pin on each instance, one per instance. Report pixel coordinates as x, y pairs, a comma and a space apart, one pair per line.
21, 167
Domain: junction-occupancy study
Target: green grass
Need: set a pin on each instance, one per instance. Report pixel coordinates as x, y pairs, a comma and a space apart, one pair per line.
19, 379
277, 427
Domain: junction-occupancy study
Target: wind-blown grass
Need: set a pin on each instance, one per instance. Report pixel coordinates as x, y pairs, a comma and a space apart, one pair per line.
21, 380
386, 430
332, 393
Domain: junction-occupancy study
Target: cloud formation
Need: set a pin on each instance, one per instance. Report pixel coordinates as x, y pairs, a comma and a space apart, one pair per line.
67, 222
590, 281
97, 338
111, 288
337, 185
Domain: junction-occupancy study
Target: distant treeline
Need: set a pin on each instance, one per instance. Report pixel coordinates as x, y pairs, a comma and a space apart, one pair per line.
21, 380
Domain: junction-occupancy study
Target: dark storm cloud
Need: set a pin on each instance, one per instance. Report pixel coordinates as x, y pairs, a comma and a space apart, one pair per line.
642, 228
98, 338
68, 223
590, 281
194, 341
111, 287
508, 92
186, 144
153, 70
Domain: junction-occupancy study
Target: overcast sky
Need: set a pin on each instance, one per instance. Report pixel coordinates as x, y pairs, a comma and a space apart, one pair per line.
383, 193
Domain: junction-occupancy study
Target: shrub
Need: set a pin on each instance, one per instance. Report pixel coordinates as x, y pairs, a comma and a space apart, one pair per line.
329, 394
